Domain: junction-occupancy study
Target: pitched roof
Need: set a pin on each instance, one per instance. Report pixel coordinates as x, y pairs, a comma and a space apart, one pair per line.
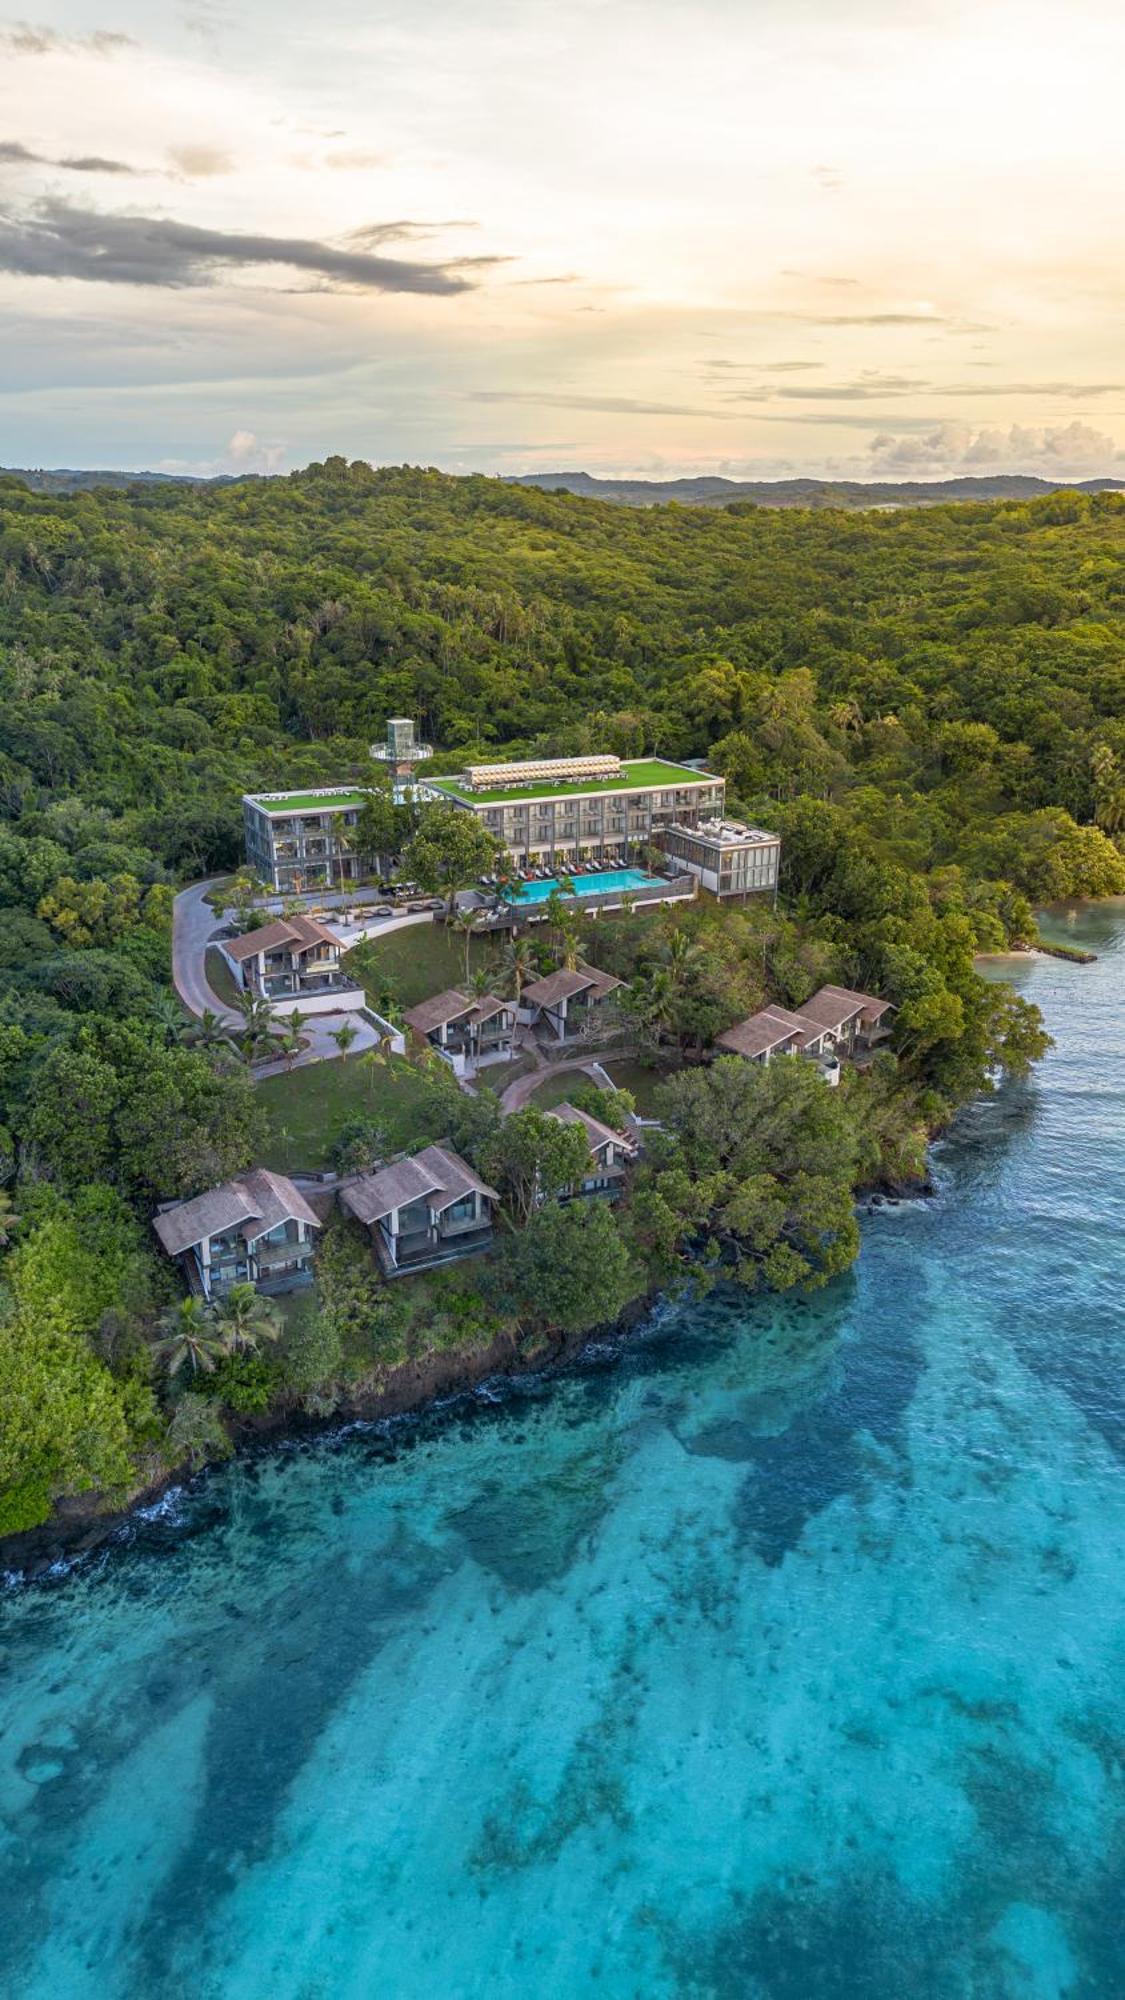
563, 985
834, 1006
453, 1005
434, 1172
767, 1030
435, 1012
597, 1133
255, 1202
372, 1196
304, 933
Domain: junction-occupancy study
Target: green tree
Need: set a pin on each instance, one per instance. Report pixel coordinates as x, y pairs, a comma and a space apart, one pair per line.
532, 1158
244, 1319
450, 850
567, 1271
190, 1338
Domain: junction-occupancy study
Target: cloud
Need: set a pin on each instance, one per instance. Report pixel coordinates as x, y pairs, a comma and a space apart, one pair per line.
1073, 450
199, 162
876, 387
13, 154
29, 38
59, 240
628, 406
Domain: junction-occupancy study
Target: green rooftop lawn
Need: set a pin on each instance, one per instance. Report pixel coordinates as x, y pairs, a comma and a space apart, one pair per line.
646, 774
297, 802
308, 1109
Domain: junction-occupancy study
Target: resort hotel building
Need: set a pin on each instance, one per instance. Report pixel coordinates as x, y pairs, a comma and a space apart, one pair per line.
560, 813
550, 815
306, 840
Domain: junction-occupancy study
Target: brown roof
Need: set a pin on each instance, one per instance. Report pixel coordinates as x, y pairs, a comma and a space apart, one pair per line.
453, 1005
435, 1171
255, 1202
597, 1133
300, 933
834, 1006
556, 986
768, 1030
371, 1196
434, 1013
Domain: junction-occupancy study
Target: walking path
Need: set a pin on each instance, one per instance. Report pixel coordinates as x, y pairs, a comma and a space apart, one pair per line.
524, 1087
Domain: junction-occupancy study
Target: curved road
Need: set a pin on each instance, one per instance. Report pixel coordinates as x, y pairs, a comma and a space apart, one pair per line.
193, 923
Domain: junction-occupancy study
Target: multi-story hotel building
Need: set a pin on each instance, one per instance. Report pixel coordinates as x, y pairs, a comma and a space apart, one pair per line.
555, 813
305, 840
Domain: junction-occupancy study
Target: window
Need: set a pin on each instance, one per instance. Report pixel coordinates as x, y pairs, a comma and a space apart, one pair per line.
463, 1210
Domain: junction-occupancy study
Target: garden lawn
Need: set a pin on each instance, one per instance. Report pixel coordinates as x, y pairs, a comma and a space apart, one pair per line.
220, 978
417, 962
308, 1109
642, 1082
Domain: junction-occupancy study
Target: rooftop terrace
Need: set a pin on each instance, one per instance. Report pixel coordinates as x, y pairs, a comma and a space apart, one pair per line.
332, 798
642, 774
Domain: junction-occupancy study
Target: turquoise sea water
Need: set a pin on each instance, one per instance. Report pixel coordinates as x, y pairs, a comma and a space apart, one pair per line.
779, 1657
601, 884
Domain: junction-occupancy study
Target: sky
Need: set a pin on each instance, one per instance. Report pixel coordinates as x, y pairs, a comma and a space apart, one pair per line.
874, 239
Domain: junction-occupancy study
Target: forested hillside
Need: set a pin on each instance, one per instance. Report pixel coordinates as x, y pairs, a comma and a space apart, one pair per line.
929, 706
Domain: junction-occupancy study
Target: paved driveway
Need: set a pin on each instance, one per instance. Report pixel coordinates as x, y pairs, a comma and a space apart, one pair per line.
194, 922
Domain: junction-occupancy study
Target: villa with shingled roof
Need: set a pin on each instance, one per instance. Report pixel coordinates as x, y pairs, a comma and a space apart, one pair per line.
257, 1229
422, 1211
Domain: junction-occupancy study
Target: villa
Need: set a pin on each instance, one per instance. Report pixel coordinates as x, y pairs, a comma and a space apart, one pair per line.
834, 1023
851, 1019
610, 1154
568, 1003
467, 1033
257, 1229
774, 1032
293, 963
423, 1211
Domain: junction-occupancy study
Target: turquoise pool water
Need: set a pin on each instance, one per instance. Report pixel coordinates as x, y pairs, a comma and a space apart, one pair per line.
778, 1656
601, 884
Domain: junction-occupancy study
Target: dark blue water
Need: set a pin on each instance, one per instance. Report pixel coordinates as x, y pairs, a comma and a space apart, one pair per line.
781, 1658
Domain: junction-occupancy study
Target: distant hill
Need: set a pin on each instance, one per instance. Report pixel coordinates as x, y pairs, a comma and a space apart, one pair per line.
711, 491
67, 479
707, 490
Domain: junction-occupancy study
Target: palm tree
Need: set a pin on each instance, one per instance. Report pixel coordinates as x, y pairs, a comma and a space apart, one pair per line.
292, 1041
9, 1220
467, 922
188, 1338
246, 1319
479, 982
257, 1017
519, 967
169, 1017
344, 1036
652, 1002
374, 1060
209, 1031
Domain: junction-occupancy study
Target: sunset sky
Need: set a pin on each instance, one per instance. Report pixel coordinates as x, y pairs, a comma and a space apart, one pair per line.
873, 238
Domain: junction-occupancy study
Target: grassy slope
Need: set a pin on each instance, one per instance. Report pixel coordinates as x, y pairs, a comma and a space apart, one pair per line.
421, 961
308, 1108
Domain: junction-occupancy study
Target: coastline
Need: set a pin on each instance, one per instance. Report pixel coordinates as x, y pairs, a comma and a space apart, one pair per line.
79, 1527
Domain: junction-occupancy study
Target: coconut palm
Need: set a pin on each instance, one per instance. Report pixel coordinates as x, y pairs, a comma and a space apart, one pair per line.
344, 1036
9, 1220
519, 967
468, 923
245, 1319
169, 1017
651, 1000
257, 1019
189, 1339
209, 1032
292, 1041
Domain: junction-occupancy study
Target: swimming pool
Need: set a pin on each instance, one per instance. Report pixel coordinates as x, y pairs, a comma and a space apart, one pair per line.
623, 879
